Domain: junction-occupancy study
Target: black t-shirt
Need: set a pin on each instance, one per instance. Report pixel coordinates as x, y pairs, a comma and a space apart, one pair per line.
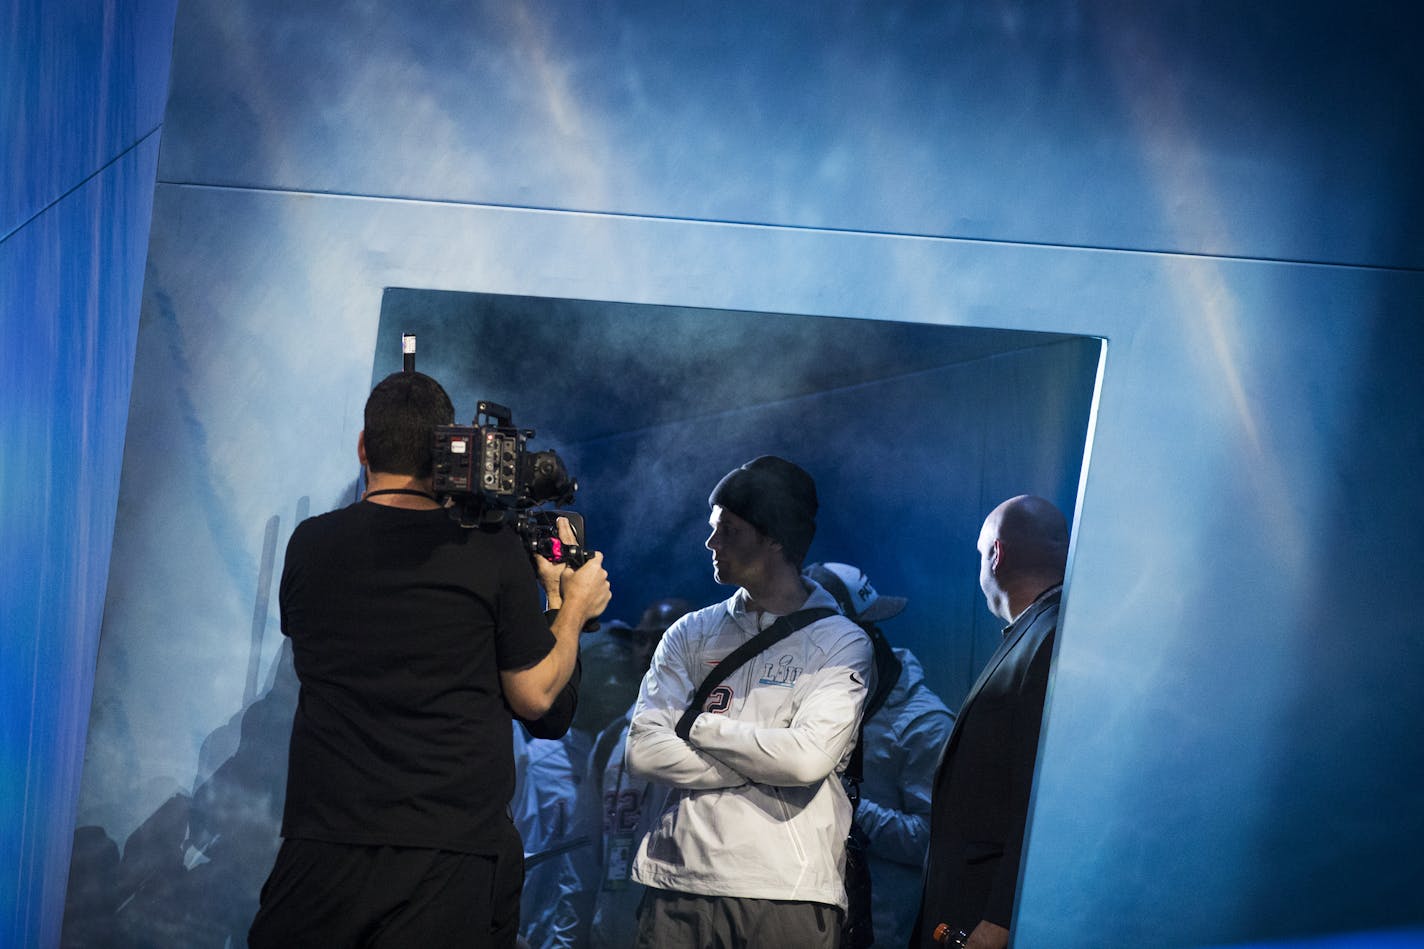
400, 622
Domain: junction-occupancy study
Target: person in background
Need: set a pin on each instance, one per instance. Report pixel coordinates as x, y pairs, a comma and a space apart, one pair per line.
624, 807
985, 777
553, 796
903, 739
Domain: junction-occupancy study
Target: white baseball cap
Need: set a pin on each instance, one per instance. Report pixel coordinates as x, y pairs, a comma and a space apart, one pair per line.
852, 590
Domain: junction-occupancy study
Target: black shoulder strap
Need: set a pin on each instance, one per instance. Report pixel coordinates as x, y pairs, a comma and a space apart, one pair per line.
887, 672
887, 669
603, 751
761, 642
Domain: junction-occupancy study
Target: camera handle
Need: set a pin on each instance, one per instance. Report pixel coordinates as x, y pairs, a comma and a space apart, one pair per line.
549, 546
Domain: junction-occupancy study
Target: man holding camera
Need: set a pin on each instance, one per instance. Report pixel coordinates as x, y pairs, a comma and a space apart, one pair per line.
749, 849
413, 639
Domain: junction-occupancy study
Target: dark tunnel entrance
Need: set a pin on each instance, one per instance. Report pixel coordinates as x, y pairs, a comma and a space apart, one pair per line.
912, 431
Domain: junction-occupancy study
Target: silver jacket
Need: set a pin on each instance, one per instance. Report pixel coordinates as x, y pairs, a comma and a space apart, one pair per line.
756, 808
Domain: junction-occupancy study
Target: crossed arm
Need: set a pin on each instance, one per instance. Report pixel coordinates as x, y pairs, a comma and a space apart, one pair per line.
798, 747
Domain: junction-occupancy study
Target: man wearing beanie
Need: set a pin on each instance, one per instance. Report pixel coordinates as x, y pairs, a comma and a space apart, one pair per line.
749, 849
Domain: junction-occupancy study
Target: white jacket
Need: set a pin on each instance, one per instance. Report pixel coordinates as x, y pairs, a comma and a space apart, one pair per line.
756, 810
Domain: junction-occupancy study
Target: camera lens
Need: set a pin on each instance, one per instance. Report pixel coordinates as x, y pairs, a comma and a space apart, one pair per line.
548, 478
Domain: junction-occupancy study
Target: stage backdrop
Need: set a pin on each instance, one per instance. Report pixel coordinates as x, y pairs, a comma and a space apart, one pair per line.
648, 406
1228, 196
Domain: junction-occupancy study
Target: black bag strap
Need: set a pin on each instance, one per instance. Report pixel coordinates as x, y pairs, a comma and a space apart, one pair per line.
603, 749
887, 672
762, 641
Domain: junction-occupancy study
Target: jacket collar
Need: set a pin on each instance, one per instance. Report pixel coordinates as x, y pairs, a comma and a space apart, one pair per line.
1026, 618
1012, 634
736, 605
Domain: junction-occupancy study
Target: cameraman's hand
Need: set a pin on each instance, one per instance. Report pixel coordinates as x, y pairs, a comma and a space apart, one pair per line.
586, 591
550, 574
988, 935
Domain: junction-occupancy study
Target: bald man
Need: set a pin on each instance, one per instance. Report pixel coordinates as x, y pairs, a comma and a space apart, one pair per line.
981, 788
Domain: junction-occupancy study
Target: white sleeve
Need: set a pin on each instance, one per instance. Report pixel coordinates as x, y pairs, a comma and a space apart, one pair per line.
654, 751
822, 728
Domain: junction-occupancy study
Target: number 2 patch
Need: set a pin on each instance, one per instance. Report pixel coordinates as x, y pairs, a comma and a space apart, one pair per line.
718, 700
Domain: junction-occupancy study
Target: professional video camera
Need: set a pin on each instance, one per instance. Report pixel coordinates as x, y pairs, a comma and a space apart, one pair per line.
490, 476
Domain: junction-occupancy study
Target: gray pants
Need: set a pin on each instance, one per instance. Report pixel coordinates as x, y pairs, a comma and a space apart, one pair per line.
671, 920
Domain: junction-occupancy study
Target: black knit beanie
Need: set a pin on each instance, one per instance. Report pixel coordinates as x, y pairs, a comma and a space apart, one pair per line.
776, 497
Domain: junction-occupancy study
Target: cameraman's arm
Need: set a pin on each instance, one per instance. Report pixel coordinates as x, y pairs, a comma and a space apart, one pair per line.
556, 721
584, 593
654, 751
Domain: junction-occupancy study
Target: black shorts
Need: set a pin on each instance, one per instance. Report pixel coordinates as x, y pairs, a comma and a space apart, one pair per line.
337, 895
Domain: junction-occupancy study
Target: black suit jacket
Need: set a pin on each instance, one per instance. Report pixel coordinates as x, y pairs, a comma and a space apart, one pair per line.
981, 788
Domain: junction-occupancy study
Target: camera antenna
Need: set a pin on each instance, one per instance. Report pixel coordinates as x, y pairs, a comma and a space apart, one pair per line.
408, 351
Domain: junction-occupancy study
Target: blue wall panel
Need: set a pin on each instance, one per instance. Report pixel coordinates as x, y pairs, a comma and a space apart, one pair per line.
71, 282
1200, 127
83, 94
83, 82
1231, 710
